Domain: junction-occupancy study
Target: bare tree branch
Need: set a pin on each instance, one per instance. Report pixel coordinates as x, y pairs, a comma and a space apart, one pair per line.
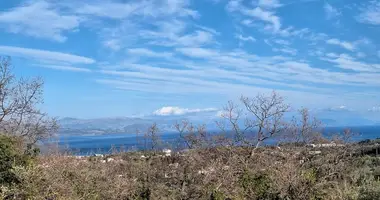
19, 106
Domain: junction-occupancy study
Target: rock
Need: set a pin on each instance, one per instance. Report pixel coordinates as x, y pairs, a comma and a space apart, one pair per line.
174, 165
315, 152
167, 152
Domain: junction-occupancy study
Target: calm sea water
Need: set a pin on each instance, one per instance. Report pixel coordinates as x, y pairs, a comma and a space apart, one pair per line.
86, 145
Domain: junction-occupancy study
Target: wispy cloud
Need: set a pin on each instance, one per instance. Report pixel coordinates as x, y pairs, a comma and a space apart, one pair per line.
173, 33
330, 11
210, 30
282, 42
173, 110
147, 8
148, 53
269, 3
65, 68
347, 45
374, 109
43, 55
113, 44
339, 109
272, 22
345, 61
370, 14
39, 19
286, 50
245, 39
170, 47
266, 16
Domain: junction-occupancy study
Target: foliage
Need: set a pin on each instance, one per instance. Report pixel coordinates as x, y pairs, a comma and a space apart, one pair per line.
11, 156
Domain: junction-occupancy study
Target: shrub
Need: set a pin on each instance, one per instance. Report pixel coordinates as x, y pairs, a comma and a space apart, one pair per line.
370, 191
12, 155
257, 185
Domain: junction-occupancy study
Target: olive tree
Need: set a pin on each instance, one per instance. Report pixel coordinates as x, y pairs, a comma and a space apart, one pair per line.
20, 101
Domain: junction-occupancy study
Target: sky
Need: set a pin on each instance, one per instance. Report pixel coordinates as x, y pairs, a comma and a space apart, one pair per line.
105, 58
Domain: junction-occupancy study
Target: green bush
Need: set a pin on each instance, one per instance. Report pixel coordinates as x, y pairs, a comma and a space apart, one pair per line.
370, 191
12, 154
257, 185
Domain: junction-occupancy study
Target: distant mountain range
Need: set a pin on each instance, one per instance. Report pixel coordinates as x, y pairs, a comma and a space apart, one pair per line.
74, 126
113, 125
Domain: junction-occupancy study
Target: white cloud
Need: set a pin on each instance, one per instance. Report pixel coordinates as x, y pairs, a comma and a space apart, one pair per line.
245, 39
197, 52
146, 8
282, 42
286, 50
266, 16
330, 11
170, 110
339, 108
120, 36
39, 19
247, 22
148, 53
112, 44
65, 68
210, 30
173, 33
374, 109
347, 45
109, 9
269, 3
370, 14
233, 5
332, 55
212, 72
43, 55
272, 21
345, 61
197, 38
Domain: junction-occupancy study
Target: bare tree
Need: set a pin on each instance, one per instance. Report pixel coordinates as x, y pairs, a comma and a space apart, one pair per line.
152, 135
232, 113
305, 129
344, 137
267, 113
181, 128
19, 106
193, 136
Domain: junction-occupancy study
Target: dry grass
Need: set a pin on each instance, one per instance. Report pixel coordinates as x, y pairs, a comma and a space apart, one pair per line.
218, 173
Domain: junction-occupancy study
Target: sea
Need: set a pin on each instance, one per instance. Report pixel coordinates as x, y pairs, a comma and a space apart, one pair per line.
117, 142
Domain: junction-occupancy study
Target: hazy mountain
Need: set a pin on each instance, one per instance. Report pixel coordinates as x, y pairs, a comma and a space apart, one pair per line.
115, 125
329, 118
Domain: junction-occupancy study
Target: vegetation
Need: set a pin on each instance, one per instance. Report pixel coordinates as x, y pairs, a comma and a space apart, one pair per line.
209, 173
203, 166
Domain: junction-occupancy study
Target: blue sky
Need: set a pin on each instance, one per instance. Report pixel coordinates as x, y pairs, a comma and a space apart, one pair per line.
104, 58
